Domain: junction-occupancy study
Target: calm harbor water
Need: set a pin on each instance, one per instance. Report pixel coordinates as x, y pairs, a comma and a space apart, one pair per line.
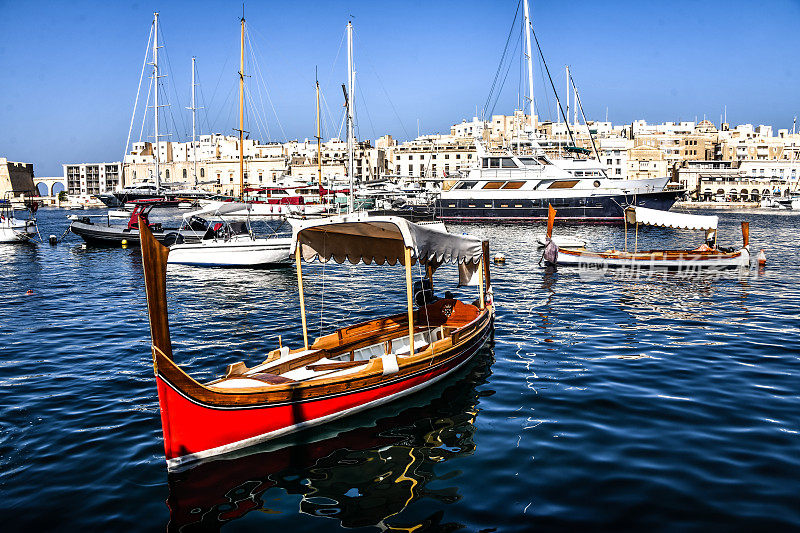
604, 401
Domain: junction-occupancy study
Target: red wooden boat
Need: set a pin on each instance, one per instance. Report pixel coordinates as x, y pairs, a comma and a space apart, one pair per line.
350, 370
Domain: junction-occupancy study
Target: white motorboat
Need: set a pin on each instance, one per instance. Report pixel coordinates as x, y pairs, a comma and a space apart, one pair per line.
229, 244
13, 229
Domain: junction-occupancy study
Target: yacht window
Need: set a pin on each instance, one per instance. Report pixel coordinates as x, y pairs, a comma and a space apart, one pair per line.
465, 184
578, 173
493, 185
513, 185
507, 162
528, 161
542, 160
563, 184
494, 162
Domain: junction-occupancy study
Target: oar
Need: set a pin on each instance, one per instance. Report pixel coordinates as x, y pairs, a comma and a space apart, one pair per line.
551, 217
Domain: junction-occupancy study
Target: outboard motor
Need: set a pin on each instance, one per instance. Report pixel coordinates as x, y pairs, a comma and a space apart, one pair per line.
423, 292
171, 238
197, 223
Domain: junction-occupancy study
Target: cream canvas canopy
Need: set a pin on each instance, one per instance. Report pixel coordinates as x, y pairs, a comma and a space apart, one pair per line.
362, 238
668, 219
381, 240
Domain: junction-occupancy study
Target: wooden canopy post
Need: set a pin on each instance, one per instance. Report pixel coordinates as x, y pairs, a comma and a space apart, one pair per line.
409, 294
487, 276
625, 222
636, 239
480, 284
302, 297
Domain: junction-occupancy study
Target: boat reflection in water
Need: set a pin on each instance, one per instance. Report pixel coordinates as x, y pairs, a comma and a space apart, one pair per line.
368, 472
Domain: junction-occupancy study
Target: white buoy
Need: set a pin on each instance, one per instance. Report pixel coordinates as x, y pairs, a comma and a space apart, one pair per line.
499, 257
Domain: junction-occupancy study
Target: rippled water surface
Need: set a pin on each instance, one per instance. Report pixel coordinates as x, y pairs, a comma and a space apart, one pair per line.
667, 402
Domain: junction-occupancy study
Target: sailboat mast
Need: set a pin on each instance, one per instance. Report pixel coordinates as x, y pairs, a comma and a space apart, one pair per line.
350, 76
566, 115
194, 131
155, 99
530, 59
241, 113
319, 142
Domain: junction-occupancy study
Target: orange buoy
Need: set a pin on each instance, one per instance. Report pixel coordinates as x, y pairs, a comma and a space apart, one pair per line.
30, 291
762, 258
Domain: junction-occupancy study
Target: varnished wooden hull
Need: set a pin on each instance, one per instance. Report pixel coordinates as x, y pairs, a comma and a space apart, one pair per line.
667, 260
200, 422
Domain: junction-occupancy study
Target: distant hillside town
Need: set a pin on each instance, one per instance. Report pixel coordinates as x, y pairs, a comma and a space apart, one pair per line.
743, 163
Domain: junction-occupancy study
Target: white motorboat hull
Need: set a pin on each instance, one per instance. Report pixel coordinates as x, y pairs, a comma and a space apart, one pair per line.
644, 261
12, 230
269, 210
237, 252
562, 241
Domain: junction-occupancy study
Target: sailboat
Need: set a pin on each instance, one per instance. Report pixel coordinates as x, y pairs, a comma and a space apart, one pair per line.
518, 185
226, 244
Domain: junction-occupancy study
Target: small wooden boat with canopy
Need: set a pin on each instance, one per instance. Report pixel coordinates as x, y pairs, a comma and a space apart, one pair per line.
707, 255
347, 371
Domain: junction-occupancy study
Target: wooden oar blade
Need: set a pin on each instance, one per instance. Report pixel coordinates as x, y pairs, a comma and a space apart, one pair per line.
746, 233
551, 217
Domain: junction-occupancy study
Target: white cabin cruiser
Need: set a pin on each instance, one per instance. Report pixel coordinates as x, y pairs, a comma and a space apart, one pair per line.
228, 244
13, 229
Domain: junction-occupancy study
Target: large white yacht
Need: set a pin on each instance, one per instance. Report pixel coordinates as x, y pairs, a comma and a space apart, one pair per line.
519, 186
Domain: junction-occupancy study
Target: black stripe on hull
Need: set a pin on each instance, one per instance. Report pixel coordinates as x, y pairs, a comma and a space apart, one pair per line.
598, 209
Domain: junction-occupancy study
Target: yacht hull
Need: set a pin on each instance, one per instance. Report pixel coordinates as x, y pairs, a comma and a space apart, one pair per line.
591, 209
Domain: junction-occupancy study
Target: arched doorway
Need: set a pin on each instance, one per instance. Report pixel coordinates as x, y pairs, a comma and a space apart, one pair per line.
42, 188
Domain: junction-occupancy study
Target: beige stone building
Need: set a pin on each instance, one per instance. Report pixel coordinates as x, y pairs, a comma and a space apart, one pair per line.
16, 179
646, 162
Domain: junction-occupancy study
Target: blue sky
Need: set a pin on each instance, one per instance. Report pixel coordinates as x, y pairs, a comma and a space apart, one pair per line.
71, 69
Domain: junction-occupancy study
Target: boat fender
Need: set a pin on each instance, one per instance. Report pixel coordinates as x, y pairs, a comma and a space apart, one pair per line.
390, 365
762, 258
499, 258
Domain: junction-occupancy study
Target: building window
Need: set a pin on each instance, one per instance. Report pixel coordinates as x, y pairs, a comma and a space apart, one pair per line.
184, 173
202, 173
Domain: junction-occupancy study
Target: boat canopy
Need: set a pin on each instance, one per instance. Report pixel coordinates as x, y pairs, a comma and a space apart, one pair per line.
655, 217
382, 240
218, 208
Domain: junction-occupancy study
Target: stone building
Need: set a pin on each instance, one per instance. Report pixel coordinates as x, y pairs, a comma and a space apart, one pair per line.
16, 179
